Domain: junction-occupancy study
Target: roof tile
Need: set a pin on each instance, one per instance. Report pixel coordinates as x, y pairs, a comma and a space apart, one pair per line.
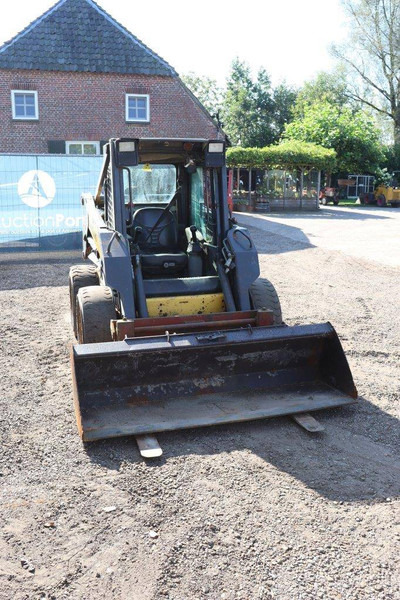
78, 35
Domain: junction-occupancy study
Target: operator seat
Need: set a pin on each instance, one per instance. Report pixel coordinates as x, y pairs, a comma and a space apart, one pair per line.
159, 252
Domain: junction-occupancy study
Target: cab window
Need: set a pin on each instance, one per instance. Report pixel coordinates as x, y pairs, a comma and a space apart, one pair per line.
149, 184
201, 210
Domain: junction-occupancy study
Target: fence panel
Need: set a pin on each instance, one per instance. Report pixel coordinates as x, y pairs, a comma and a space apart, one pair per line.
40, 205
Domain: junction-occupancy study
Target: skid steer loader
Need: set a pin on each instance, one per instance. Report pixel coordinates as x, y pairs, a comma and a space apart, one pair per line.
175, 328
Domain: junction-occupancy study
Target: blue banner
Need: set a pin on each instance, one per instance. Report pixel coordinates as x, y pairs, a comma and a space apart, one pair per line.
40, 205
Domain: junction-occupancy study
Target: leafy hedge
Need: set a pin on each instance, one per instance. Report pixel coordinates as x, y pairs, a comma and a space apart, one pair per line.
351, 133
291, 154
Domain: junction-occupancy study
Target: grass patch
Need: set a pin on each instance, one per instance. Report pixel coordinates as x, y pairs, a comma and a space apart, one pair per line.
348, 202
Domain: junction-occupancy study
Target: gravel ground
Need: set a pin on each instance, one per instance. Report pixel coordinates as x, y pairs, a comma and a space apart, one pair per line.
254, 511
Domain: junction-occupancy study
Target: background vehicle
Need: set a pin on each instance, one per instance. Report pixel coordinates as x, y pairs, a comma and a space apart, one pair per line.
385, 194
175, 327
329, 194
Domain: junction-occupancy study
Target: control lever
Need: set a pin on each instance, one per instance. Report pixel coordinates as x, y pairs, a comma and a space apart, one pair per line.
195, 254
193, 230
136, 233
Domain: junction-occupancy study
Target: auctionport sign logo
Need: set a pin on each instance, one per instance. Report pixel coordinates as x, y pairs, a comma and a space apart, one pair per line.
36, 188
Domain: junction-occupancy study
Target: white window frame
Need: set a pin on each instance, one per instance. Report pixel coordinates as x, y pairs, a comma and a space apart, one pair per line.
35, 95
70, 143
147, 97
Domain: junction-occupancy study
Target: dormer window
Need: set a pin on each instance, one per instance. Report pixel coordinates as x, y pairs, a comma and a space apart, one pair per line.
24, 105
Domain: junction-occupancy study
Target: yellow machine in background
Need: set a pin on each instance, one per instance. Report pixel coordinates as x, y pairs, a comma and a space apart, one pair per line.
389, 194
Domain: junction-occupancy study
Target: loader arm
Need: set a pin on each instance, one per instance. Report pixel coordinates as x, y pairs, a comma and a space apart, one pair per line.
110, 252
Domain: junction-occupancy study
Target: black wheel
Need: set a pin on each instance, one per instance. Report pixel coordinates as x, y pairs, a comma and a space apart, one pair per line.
94, 310
80, 276
263, 296
336, 202
381, 200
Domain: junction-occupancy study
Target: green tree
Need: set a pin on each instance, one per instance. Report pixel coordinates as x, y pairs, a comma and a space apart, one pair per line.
351, 133
392, 158
373, 56
326, 87
248, 110
206, 90
284, 98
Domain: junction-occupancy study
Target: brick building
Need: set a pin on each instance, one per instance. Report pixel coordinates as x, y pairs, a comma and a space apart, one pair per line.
76, 77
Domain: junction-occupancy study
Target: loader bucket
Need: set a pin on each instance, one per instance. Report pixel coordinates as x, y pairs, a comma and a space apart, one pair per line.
160, 383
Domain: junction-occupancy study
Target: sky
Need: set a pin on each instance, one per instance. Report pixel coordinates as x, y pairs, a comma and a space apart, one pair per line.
289, 38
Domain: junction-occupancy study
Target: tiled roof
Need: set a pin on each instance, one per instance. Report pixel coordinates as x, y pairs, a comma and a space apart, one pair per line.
78, 35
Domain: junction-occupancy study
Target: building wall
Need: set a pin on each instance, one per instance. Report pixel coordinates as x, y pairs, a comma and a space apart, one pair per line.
91, 107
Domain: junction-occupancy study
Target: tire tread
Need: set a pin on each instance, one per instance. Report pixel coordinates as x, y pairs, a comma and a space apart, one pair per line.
264, 295
95, 309
80, 276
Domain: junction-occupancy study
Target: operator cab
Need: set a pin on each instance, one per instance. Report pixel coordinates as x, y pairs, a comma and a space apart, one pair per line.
171, 207
160, 216
151, 204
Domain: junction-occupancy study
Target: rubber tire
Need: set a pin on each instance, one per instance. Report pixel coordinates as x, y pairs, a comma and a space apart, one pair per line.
381, 200
336, 202
263, 296
80, 276
324, 201
95, 309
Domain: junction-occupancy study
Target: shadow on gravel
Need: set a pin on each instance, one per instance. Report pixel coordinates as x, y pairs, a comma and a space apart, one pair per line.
36, 269
276, 242
331, 214
348, 462
273, 237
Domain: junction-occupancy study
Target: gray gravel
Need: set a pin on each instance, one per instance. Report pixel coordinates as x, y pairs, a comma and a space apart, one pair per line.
253, 511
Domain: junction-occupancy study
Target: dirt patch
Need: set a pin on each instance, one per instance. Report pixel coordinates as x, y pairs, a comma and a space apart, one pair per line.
253, 511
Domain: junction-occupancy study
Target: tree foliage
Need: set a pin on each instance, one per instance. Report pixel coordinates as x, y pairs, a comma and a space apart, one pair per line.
248, 107
392, 158
326, 87
284, 98
290, 154
254, 114
351, 133
251, 111
210, 94
373, 56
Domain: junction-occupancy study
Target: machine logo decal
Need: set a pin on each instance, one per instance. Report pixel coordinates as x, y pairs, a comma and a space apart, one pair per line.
36, 188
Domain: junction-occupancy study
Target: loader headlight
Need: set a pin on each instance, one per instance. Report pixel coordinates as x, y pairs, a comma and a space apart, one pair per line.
127, 154
216, 147
214, 154
127, 146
